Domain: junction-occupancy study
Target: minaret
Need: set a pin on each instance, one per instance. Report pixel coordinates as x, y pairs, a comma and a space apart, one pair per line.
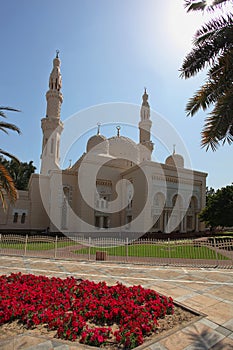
51, 125
144, 127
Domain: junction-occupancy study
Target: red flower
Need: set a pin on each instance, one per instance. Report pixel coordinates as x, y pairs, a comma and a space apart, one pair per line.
65, 306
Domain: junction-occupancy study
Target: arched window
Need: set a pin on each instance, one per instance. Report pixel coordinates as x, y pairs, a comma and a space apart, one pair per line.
159, 200
130, 204
23, 217
177, 201
193, 204
66, 191
15, 218
58, 147
97, 221
65, 203
52, 145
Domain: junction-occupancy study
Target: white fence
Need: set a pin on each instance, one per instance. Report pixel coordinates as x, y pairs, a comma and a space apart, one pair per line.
187, 252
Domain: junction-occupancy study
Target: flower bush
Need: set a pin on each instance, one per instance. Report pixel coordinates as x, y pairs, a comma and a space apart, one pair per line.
85, 311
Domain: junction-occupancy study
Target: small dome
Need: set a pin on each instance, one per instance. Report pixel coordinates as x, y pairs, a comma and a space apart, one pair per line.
95, 142
175, 160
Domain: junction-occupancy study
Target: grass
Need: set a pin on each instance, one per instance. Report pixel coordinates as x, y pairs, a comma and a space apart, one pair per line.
157, 251
35, 246
225, 234
172, 250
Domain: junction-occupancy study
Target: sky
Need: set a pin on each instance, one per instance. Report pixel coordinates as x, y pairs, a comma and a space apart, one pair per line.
109, 51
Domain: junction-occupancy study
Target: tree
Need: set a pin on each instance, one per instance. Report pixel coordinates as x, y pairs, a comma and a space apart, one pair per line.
209, 192
19, 172
213, 49
219, 208
7, 186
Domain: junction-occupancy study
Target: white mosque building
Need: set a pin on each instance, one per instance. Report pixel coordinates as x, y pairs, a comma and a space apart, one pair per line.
114, 186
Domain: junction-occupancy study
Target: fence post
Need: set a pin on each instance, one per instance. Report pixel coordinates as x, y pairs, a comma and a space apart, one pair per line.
89, 248
55, 248
216, 253
0, 242
169, 250
25, 247
127, 249
230, 245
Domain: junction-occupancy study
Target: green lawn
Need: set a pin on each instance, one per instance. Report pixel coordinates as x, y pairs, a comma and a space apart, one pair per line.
35, 246
158, 251
225, 234
172, 250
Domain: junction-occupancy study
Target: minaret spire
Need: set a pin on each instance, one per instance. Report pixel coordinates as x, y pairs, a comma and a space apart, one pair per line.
51, 125
145, 109
144, 127
118, 130
98, 128
55, 82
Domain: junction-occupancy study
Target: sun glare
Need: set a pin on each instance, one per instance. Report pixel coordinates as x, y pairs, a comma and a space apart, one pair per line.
181, 25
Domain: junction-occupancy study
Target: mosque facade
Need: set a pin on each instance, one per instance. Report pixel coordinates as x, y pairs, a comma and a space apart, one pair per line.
114, 186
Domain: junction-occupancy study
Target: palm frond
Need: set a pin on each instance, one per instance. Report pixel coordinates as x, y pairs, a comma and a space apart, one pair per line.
192, 5
9, 126
198, 59
2, 198
7, 186
218, 29
207, 53
197, 5
3, 108
9, 155
219, 84
223, 69
202, 99
219, 124
213, 49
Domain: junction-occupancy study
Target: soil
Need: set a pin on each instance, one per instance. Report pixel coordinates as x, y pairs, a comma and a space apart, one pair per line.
181, 317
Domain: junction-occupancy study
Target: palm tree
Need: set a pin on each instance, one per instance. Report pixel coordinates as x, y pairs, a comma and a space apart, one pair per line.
213, 49
7, 186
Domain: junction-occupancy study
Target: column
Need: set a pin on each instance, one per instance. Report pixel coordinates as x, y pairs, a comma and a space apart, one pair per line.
185, 223
196, 223
165, 220
101, 222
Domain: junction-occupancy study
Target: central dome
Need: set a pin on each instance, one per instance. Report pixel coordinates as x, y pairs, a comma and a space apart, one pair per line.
123, 147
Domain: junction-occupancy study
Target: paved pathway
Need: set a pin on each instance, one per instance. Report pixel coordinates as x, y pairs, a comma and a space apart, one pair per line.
207, 290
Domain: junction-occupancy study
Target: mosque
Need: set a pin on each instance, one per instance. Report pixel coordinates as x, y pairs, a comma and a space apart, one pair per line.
114, 186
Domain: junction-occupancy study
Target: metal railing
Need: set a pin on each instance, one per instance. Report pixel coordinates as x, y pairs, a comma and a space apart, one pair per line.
213, 252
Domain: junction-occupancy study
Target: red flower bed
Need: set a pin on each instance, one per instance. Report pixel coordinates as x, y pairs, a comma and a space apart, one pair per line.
86, 311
